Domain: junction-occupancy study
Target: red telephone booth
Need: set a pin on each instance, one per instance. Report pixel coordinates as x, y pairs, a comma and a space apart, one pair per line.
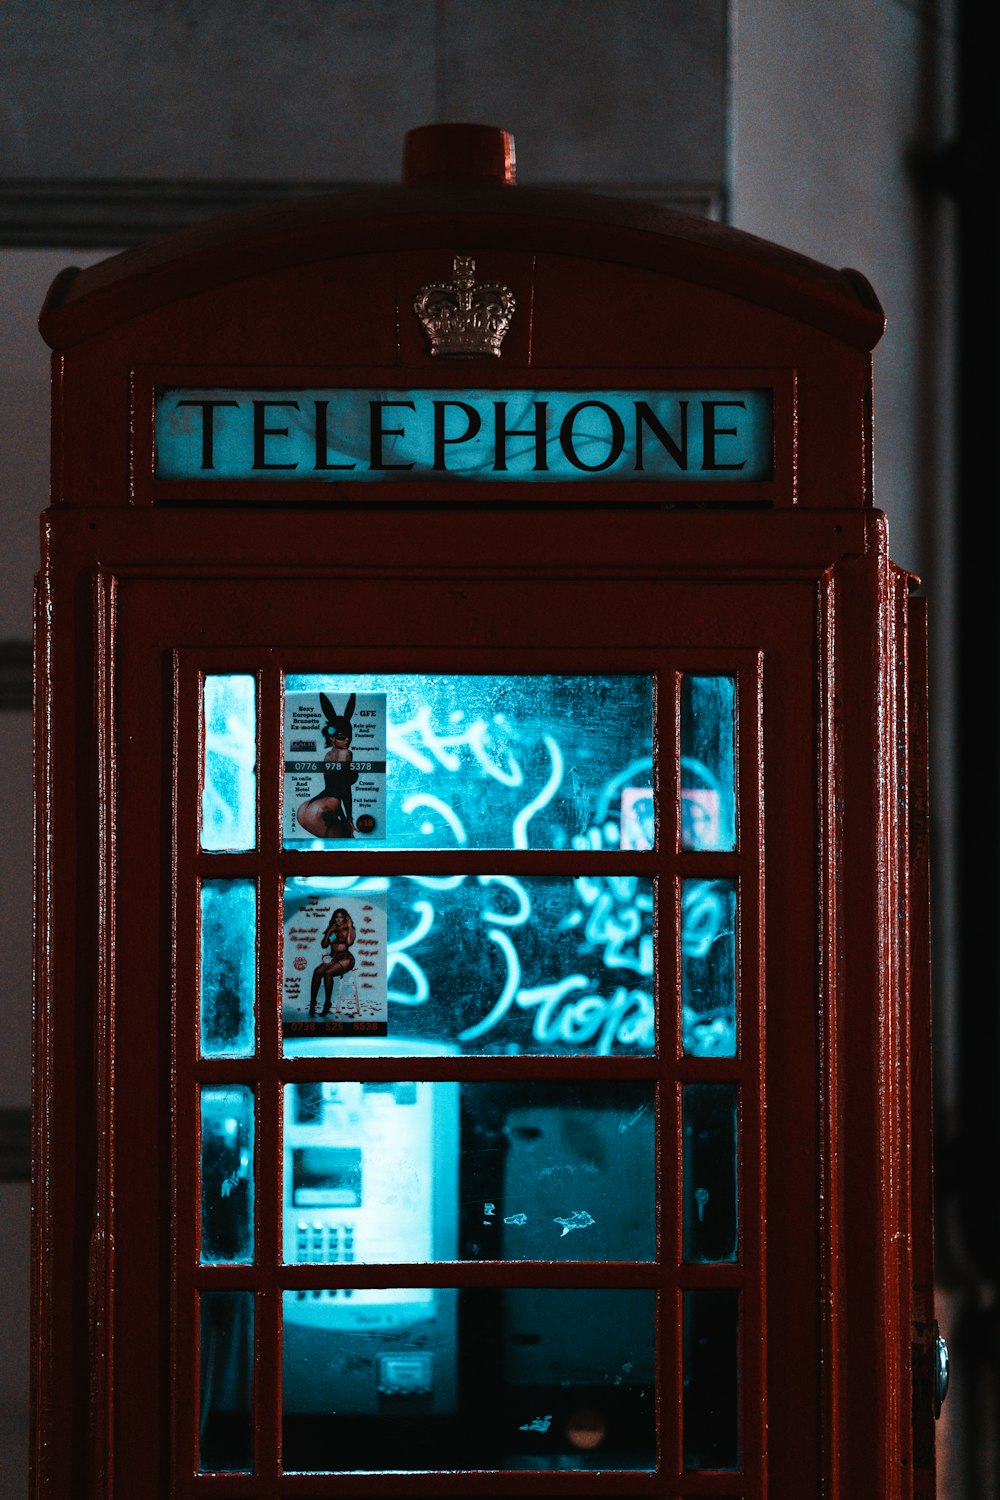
482, 1037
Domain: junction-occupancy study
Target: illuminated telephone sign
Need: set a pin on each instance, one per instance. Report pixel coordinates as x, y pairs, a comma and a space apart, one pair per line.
526, 435
482, 993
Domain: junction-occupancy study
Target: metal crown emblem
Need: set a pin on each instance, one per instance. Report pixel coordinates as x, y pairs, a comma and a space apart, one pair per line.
465, 318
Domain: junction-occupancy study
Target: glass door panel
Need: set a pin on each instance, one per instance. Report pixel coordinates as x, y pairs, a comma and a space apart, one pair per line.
536, 964
437, 1170
225, 1404
229, 786
710, 1133
469, 1100
708, 762
227, 1174
711, 1378
708, 927
459, 1378
228, 968
485, 762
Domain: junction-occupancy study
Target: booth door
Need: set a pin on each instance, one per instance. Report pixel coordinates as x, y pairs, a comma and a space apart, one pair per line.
444, 1031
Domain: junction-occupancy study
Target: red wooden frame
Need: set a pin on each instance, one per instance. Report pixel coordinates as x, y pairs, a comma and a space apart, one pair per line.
743, 1069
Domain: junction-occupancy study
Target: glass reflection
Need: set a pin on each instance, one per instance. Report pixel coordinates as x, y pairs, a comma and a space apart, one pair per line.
482, 964
480, 762
225, 1425
383, 1172
228, 967
390, 1379
708, 967
708, 762
227, 1174
229, 794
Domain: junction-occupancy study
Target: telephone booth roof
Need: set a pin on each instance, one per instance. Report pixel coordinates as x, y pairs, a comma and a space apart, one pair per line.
82, 304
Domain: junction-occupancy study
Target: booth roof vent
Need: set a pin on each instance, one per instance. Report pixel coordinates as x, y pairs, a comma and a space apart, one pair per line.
458, 153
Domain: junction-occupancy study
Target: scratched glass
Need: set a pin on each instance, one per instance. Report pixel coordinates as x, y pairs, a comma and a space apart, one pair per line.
708, 967
376, 1173
537, 762
711, 1378
228, 967
533, 964
708, 762
225, 1406
229, 792
227, 1174
709, 1136
388, 1379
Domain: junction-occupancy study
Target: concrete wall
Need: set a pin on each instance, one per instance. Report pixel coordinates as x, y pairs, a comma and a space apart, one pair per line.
324, 89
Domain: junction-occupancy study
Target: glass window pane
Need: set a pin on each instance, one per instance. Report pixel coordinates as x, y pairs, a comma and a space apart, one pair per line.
711, 1379
229, 793
710, 1181
469, 762
708, 763
708, 967
227, 1174
407, 1379
228, 967
225, 1425
382, 1172
474, 964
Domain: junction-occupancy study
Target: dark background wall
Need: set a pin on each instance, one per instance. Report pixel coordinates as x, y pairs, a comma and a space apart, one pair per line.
823, 128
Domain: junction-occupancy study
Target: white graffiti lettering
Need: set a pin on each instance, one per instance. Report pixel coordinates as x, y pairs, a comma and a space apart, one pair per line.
411, 739
627, 1017
425, 799
520, 825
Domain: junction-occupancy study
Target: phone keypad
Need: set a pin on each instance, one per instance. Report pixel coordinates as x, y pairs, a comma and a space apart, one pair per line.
322, 1244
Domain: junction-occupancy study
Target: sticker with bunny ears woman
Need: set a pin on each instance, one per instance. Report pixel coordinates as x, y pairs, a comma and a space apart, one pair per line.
330, 814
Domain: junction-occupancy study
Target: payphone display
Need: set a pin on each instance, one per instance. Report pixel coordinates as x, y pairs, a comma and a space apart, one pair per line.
370, 1174
386, 1173
430, 1171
